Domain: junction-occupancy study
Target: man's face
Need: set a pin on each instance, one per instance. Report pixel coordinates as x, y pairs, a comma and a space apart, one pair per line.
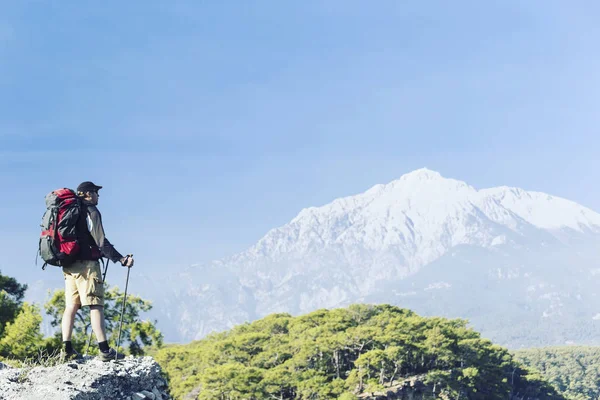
94, 198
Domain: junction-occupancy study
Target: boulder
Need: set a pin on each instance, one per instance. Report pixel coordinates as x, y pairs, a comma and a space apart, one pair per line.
88, 379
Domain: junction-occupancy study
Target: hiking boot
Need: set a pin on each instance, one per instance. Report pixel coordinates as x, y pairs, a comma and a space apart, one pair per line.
70, 355
110, 355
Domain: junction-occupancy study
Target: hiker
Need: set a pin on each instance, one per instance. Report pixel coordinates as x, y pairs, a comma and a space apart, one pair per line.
83, 278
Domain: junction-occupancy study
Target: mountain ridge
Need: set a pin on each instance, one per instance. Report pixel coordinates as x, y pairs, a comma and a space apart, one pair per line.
340, 216
353, 248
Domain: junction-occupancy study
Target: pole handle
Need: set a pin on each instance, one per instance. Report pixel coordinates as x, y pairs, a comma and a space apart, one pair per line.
127, 257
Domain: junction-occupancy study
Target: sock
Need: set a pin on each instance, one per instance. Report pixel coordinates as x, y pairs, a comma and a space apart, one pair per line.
103, 346
68, 346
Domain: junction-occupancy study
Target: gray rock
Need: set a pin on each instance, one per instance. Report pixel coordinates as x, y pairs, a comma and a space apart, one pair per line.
149, 395
157, 394
91, 379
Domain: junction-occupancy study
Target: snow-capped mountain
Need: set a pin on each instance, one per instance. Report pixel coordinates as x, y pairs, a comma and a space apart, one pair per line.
496, 256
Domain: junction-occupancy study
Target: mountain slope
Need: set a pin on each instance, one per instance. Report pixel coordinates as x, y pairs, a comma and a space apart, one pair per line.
374, 245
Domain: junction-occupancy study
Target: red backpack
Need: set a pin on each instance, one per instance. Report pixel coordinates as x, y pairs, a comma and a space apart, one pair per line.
58, 242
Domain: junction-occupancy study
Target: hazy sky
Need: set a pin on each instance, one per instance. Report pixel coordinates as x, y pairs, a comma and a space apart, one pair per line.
211, 122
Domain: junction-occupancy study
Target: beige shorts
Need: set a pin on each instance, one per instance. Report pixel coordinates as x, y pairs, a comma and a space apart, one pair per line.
83, 283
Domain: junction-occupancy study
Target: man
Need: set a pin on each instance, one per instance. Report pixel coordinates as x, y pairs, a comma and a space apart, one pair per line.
83, 278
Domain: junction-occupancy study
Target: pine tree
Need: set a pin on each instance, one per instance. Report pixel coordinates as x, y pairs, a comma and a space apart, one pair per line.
22, 338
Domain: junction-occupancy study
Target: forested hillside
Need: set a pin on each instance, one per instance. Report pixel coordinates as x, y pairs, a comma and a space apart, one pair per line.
573, 370
342, 353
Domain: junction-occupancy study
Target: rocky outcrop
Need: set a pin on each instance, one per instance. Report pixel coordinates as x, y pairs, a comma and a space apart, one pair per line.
412, 388
134, 378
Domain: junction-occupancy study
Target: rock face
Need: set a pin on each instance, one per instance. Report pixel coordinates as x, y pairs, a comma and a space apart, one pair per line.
410, 389
89, 379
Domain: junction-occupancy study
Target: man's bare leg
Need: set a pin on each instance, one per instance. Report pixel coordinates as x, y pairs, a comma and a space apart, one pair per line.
97, 317
68, 320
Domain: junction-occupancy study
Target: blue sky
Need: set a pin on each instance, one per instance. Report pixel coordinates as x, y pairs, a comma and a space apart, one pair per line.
211, 122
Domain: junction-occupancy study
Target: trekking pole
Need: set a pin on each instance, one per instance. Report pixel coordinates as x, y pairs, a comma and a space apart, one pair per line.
123, 310
91, 329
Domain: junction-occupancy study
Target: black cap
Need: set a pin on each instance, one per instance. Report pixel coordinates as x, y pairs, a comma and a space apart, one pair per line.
88, 186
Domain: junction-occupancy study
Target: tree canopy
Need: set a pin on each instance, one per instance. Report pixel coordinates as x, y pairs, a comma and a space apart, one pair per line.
340, 353
573, 370
11, 300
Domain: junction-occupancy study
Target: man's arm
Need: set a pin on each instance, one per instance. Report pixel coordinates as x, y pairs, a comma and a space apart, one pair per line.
94, 222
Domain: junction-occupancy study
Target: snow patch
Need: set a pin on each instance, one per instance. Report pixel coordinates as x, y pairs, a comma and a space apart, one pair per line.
438, 285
